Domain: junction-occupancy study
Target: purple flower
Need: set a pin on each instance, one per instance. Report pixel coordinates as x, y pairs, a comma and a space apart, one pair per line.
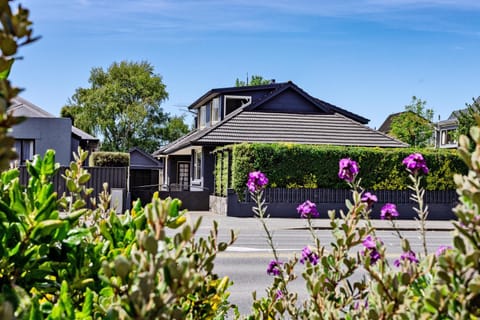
389, 211
369, 242
279, 294
410, 256
370, 245
273, 268
308, 209
256, 181
308, 255
415, 163
441, 250
348, 169
369, 198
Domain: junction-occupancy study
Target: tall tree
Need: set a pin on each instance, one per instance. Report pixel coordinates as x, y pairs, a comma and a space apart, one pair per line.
255, 80
466, 117
414, 126
122, 107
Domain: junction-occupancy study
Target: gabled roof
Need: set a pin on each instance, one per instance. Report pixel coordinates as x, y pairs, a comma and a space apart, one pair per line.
23, 108
387, 124
334, 126
334, 129
271, 91
148, 160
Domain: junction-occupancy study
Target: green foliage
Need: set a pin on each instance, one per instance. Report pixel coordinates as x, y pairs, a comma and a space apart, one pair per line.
414, 126
15, 32
221, 172
352, 278
122, 106
61, 260
296, 165
255, 80
175, 129
466, 118
109, 159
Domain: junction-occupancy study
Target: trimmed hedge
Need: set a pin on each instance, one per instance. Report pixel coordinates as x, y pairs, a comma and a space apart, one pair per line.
312, 166
109, 159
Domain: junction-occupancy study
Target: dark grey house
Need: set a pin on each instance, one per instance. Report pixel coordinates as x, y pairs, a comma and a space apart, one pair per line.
41, 131
277, 112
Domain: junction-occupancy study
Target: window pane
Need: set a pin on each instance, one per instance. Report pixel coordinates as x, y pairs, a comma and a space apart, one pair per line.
215, 110
27, 150
203, 116
198, 165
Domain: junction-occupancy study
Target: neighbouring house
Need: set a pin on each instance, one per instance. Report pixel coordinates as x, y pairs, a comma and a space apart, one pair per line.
386, 126
41, 131
277, 112
446, 131
145, 175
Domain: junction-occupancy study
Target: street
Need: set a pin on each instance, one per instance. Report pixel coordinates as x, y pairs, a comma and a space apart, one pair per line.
245, 262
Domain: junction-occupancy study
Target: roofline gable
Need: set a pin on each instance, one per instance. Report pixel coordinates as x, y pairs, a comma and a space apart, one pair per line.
228, 90
288, 86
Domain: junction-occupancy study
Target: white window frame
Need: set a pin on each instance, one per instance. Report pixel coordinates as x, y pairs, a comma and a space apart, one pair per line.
226, 97
202, 117
197, 165
444, 134
215, 111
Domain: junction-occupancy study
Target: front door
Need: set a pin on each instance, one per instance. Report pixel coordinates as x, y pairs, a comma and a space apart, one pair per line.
183, 175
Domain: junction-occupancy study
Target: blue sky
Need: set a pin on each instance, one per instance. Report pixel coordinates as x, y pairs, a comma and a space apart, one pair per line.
367, 56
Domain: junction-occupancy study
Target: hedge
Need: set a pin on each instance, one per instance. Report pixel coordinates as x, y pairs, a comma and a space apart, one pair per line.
312, 166
109, 159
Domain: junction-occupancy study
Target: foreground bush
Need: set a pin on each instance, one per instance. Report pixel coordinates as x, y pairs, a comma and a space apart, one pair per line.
419, 285
60, 260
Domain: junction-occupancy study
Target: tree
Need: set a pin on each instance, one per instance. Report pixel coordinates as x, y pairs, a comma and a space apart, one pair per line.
122, 107
176, 128
466, 118
255, 80
414, 126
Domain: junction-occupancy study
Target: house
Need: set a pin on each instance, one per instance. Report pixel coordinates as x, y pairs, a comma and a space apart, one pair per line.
41, 131
386, 126
446, 131
276, 112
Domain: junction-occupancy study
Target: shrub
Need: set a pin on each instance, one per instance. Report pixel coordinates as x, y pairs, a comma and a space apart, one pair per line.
422, 285
60, 260
109, 159
296, 165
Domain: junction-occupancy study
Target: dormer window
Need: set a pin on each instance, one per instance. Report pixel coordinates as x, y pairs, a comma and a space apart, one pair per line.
232, 103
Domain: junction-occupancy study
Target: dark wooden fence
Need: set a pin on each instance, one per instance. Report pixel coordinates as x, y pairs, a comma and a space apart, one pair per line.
283, 202
116, 177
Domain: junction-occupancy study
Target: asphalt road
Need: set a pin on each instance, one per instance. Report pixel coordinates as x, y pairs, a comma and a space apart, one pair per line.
245, 262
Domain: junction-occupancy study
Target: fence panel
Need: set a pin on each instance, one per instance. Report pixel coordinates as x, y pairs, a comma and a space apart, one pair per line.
116, 177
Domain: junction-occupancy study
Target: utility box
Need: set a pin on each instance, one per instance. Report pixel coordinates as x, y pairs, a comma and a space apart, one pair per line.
117, 201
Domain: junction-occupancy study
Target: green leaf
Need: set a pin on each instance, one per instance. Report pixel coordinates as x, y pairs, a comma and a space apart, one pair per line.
459, 243
48, 167
88, 303
73, 216
48, 227
84, 178
77, 235
5, 67
48, 209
